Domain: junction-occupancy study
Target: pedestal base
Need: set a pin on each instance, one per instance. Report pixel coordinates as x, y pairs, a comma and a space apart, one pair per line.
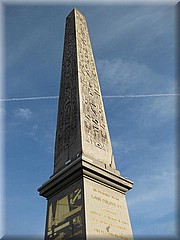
86, 202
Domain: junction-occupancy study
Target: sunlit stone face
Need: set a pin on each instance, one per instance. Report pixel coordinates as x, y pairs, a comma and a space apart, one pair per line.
106, 212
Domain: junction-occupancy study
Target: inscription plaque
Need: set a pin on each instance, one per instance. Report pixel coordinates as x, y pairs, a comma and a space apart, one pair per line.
106, 212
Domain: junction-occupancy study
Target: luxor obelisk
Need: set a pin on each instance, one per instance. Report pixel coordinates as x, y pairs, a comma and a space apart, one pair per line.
86, 194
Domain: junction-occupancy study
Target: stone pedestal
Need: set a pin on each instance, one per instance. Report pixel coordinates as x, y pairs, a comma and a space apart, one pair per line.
86, 202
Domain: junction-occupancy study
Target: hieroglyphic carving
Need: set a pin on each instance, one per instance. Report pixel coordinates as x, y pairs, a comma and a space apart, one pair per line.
94, 119
81, 116
68, 123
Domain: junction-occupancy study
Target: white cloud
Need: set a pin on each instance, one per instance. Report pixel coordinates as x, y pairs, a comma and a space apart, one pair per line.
154, 112
139, 28
162, 109
43, 137
34, 130
153, 198
130, 77
23, 113
2, 111
120, 77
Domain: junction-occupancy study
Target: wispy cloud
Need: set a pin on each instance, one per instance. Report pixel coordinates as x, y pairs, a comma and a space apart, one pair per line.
2, 111
139, 29
162, 109
43, 137
154, 95
149, 196
23, 113
122, 77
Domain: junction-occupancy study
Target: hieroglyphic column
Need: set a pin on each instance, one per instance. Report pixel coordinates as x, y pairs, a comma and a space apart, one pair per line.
68, 131
81, 127
96, 143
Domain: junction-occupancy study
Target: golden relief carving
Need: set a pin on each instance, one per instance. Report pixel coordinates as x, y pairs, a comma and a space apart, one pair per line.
65, 216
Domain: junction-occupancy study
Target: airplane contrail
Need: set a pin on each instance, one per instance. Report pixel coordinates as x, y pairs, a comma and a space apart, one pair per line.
105, 96
143, 95
28, 98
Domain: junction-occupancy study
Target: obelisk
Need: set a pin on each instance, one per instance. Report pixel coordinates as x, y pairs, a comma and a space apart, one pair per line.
86, 194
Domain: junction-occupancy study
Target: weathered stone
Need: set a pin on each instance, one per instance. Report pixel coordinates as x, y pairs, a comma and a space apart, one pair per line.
81, 126
86, 194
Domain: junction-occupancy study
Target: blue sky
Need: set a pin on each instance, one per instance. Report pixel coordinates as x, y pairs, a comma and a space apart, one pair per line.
134, 50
